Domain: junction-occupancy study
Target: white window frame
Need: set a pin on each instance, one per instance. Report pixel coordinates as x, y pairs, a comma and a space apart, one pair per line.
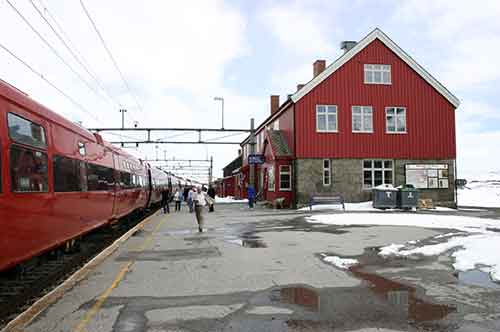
289, 173
330, 110
271, 174
396, 131
325, 169
380, 69
276, 124
364, 111
373, 169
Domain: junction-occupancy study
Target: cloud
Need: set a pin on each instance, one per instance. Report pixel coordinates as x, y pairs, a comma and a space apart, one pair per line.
300, 27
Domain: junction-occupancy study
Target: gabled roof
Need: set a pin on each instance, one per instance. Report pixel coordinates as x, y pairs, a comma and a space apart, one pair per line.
376, 34
278, 142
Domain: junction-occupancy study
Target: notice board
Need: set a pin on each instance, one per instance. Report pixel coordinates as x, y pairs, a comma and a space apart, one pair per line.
427, 176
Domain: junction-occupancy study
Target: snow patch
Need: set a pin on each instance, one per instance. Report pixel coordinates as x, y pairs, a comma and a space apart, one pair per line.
229, 199
341, 263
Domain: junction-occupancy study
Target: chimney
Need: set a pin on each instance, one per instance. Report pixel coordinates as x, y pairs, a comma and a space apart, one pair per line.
275, 103
346, 45
300, 86
318, 67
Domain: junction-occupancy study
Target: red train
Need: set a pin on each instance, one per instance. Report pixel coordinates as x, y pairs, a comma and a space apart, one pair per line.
59, 181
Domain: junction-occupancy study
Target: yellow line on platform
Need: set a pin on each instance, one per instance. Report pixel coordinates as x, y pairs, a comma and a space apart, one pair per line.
102, 298
21, 321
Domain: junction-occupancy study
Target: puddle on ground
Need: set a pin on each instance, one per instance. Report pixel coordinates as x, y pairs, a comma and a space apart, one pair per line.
477, 278
247, 242
403, 297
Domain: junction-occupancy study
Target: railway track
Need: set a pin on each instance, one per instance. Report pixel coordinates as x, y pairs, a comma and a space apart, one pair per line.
18, 291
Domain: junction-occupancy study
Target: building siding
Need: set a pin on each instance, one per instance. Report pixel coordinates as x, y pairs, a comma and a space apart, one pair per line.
430, 118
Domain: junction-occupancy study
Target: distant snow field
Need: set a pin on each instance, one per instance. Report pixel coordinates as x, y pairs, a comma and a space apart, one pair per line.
483, 191
476, 246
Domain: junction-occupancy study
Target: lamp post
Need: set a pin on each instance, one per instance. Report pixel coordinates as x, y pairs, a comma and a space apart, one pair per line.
221, 99
123, 111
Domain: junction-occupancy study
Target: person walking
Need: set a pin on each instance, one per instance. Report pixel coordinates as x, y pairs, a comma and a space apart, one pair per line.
211, 194
251, 196
177, 199
190, 200
199, 201
165, 198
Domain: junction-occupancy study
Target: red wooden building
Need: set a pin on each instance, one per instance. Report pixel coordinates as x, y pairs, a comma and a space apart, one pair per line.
374, 116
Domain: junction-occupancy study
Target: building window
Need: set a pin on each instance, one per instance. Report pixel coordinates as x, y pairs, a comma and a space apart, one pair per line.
362, 119
270, 178
28, 170
377, 172
285, 178
327, 176
377, 74
395, 120
326, 118
26, 132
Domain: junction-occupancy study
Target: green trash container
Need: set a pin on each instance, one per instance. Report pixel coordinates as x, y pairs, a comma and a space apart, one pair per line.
385, 197
407, 197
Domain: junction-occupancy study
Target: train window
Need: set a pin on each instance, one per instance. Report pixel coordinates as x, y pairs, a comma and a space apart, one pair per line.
26, 132
67, 174
28, 170
99, 178
126, 180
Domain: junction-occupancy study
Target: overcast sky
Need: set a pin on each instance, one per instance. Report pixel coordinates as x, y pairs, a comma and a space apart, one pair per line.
177, 55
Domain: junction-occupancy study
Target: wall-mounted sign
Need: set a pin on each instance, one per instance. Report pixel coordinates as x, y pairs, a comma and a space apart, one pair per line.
427, 176
256, 159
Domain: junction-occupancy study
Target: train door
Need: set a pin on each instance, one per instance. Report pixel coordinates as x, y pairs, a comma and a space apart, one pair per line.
26, 220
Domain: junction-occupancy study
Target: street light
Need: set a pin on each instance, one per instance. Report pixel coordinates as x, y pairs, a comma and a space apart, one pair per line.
222, 101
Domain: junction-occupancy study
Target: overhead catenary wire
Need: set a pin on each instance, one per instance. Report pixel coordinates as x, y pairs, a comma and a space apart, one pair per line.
110, 55
81, 62
56, 53
49, 82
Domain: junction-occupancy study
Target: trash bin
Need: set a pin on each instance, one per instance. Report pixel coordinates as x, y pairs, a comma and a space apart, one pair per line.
407, 197
385, 197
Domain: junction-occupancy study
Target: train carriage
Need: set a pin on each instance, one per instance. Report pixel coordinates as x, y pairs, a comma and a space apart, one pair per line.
59, 181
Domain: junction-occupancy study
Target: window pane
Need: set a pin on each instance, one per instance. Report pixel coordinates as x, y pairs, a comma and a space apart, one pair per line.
368, 122
401, 124
368, 76
26, 132
377, 77
321, 122
367, 164
28, 169
388, 177
67, 174
377, 164
377, 178
356, 122
326, 163
285, 169
390, 111
356, 110
332, 122
386, 77
320, 109
388, 163
391, 123
99, 178
377, 67
332, 109
367, 179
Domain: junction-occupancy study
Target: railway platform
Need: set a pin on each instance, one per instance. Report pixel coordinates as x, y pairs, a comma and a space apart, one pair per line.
251, 270
169, 277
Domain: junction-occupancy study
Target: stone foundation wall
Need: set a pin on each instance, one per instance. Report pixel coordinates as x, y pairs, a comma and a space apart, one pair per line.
347, 179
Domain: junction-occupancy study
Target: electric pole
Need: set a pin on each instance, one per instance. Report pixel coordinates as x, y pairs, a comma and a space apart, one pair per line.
123, 111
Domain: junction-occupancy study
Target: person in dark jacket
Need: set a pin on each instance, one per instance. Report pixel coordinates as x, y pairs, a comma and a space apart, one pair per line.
251, 196
165, 199
211, 194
